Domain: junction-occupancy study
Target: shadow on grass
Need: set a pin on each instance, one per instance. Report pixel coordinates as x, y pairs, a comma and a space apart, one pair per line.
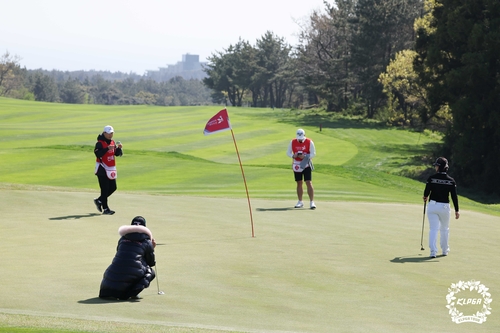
97, 300
74, 217
419, 258
275, 209
481, 197
326, 120
415, 153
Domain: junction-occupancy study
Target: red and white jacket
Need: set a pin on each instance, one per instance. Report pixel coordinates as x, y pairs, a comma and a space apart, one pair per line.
105, 158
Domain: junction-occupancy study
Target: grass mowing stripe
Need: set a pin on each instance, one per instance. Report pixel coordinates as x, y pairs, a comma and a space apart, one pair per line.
352, 265
355, 147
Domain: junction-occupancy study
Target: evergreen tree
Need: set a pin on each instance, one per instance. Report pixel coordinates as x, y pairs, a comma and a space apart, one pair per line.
72, 92
273, 56
324, 55
459, 62
382, 28
43, 87
230, 72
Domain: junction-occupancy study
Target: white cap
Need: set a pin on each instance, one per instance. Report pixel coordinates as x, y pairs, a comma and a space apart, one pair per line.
108, 129
301, 134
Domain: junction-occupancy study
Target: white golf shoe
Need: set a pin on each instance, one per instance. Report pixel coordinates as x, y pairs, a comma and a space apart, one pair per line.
299, 204
313, 206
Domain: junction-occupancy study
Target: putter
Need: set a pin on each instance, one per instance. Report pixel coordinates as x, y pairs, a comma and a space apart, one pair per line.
422, 237
158, 283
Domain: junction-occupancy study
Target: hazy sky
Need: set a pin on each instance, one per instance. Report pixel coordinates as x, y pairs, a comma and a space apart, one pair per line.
137, 35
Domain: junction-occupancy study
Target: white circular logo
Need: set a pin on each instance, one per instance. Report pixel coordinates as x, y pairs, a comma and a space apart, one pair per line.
483, 302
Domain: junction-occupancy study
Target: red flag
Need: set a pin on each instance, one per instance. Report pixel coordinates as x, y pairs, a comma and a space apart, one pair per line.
218, 123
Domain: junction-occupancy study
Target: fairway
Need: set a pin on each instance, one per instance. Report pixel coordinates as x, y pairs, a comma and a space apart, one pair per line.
352, 265
355, 267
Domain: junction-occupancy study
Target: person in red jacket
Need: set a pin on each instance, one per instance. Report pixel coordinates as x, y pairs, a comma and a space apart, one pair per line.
105, 167
302, 150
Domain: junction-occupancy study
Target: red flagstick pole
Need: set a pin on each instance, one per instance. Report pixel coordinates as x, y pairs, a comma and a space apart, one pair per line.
245, 181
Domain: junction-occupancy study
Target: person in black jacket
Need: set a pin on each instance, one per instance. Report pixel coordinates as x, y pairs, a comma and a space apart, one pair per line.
130, 271
440, 186
105, 168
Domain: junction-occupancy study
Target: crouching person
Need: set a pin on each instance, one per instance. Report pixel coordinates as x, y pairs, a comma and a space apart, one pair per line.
130, 272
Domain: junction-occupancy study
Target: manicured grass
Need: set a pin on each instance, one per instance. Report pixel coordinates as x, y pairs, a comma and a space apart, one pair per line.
346, 265
166, 152
352, 265
32, 330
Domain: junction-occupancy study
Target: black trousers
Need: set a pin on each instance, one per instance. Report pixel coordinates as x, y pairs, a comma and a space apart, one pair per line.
108, 186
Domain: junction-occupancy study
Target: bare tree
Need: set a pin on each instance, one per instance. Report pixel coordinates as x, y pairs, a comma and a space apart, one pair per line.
10, 73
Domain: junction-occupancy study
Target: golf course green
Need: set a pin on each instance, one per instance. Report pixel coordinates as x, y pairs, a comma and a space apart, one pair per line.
354, 264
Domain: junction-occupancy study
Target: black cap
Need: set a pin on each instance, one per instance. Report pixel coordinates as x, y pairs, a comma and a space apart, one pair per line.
441, 162
139, 220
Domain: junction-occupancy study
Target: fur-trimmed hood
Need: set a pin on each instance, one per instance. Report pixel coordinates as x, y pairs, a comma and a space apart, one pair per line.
130, 271
129, 229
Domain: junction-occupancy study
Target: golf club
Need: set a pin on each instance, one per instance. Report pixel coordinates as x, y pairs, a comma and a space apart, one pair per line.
422, 237
158, 283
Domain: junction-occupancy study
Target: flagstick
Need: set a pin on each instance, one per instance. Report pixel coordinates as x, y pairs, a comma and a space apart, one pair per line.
244, 180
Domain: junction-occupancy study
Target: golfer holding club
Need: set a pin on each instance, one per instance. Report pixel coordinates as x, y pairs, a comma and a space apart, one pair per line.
105, 167
302, 150
440, 186
130, 271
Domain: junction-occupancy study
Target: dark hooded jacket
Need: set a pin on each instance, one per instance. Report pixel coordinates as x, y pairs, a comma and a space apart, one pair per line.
130, 272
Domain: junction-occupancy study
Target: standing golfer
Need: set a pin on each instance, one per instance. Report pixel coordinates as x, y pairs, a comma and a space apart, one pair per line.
130, 272
440, 186
302, 150
105, 167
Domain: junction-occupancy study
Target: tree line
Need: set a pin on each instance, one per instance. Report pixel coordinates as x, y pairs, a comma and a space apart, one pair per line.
420, 64
96, 87
343, 49
458, 62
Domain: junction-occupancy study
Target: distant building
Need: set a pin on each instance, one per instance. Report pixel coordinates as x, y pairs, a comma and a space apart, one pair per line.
190, 62
189, 68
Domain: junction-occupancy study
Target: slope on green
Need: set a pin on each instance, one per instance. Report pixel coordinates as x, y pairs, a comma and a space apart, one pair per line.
352, 265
